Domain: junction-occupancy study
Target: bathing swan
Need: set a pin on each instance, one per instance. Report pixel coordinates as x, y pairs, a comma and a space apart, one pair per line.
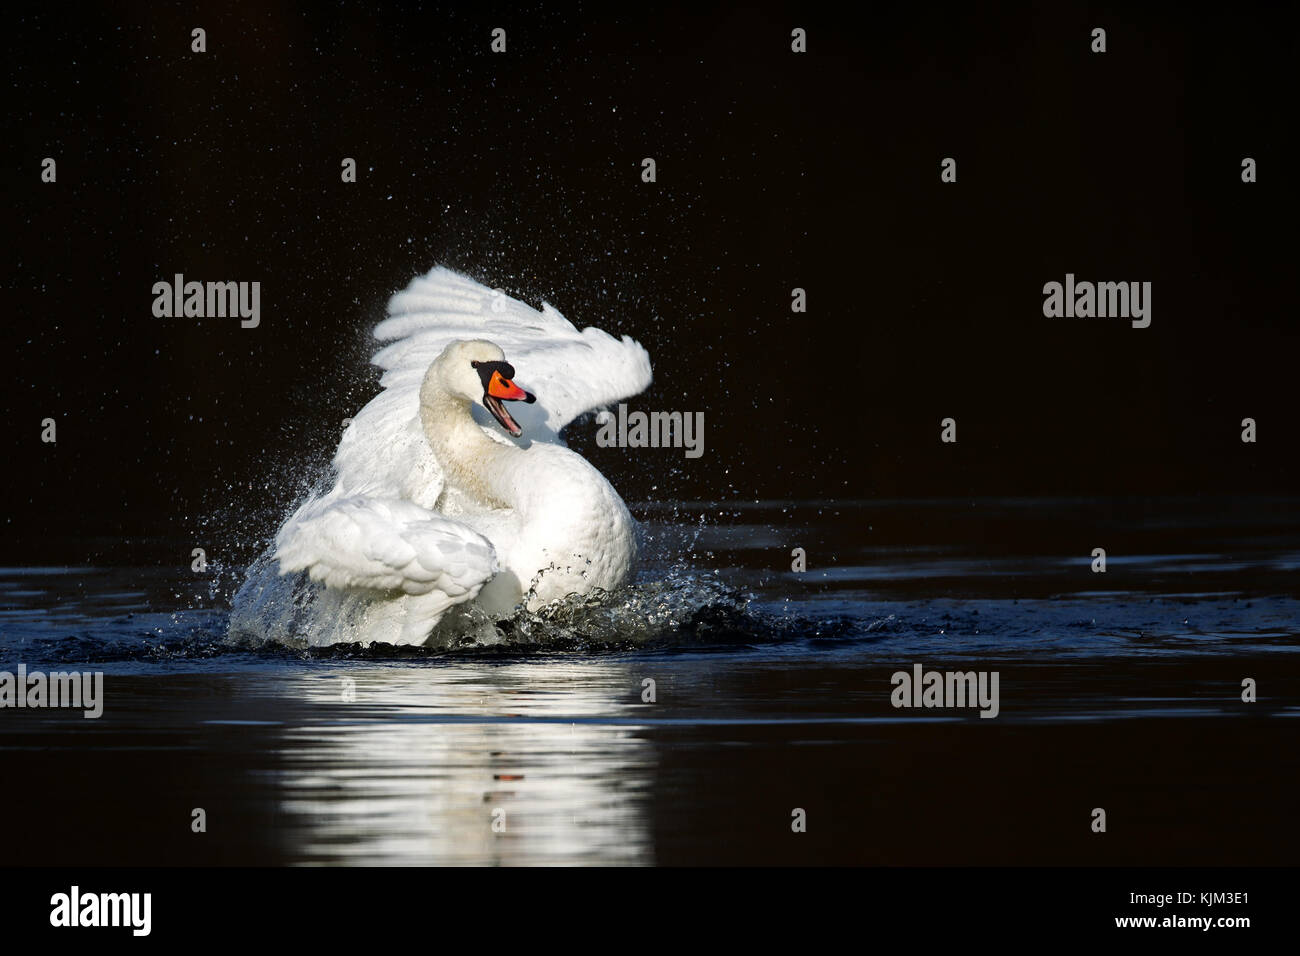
444, 495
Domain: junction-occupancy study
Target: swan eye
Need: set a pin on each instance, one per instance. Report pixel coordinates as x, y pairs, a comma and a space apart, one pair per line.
491, 371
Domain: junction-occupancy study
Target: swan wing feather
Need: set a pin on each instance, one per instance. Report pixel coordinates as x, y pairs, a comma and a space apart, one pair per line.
387, 545
570, 371
383, 451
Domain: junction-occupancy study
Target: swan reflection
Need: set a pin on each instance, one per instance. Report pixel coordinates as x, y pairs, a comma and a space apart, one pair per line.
468, 763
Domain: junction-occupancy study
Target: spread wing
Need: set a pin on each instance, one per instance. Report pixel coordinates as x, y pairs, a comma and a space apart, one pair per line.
570, 372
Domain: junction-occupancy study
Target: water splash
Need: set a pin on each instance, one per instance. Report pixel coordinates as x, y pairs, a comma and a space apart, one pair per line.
679, 607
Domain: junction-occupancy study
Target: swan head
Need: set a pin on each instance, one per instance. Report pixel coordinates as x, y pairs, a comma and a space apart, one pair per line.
477, 371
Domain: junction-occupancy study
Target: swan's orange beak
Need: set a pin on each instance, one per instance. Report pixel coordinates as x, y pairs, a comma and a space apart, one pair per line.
501, 387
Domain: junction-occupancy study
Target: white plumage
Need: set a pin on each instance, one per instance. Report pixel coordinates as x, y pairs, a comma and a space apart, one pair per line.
434, 504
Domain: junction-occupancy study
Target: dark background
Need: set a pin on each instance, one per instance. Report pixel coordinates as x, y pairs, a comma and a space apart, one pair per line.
775, 170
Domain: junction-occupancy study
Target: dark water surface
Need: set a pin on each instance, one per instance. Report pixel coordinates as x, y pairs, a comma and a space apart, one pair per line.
1119, 690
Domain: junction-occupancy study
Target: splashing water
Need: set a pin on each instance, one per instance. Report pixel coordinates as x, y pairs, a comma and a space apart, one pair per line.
659, 608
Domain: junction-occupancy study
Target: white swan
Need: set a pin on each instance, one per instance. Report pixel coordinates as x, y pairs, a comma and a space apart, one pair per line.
434, 504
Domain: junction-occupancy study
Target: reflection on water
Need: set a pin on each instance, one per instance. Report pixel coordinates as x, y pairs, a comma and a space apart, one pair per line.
492, 765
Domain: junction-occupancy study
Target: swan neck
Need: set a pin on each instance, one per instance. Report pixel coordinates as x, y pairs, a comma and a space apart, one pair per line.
470, 460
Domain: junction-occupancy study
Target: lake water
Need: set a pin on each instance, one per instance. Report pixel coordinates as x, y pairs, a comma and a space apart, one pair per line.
771, 695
